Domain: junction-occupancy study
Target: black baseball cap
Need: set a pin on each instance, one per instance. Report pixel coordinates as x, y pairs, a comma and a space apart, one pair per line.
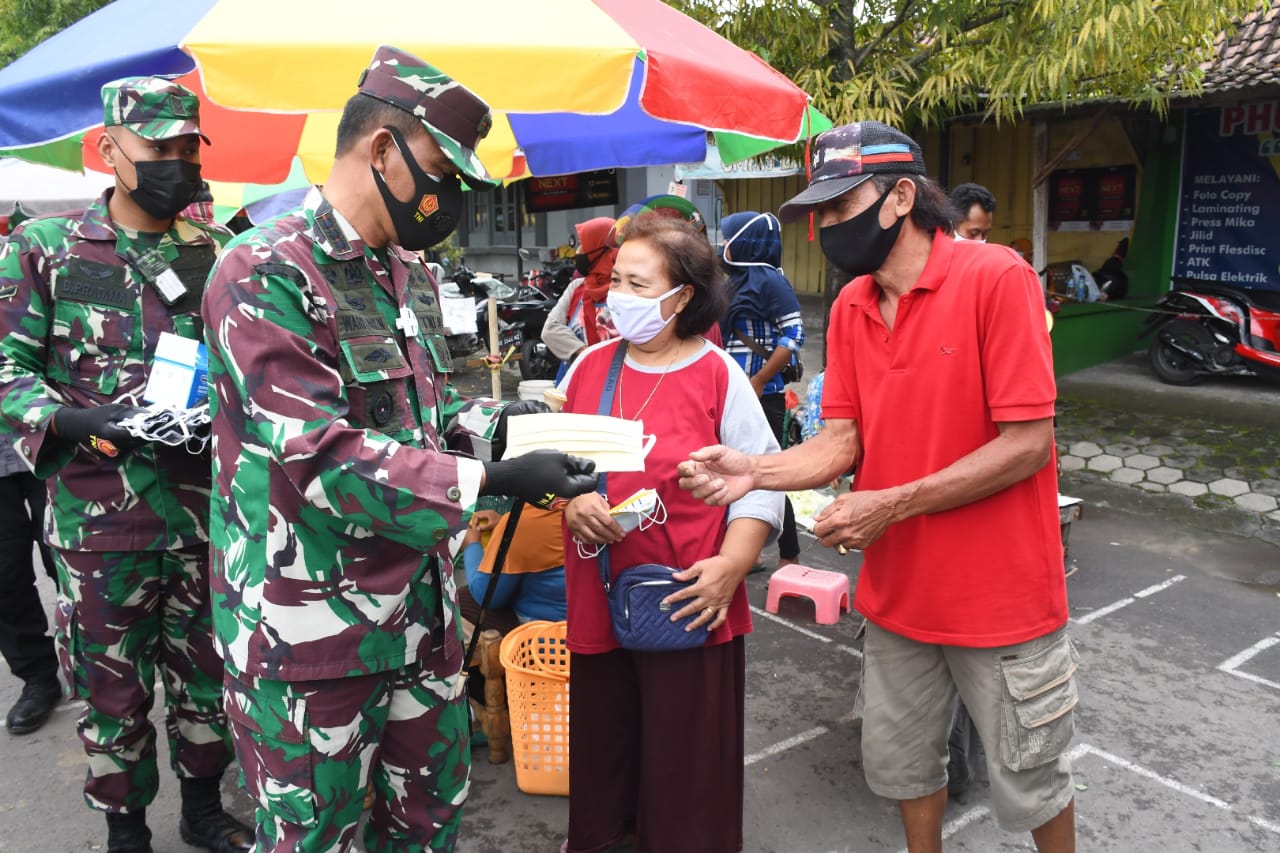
845, 156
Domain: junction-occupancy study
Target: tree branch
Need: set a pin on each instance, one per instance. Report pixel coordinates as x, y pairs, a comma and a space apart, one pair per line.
885, 32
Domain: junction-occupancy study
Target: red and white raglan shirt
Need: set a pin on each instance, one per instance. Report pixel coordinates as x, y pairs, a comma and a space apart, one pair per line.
702, 400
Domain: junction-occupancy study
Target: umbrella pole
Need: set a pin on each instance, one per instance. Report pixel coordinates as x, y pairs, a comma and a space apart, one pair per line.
495, 374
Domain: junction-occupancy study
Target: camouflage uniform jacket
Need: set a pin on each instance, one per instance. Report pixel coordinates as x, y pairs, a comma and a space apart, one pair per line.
78, 326
334, 489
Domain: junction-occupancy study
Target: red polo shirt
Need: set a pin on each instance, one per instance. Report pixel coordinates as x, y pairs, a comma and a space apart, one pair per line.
969, 349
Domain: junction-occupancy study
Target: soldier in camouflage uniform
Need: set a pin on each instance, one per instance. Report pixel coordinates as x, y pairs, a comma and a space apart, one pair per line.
83, 300
337, 481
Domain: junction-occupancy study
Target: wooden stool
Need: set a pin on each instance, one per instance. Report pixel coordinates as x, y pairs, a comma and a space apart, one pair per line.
494, 719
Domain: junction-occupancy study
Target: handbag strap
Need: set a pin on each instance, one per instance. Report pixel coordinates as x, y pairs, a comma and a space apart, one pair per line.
758, 349
605, 407
752, 344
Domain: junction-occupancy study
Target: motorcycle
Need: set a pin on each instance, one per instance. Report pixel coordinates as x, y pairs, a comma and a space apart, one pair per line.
1212, 329
468, 284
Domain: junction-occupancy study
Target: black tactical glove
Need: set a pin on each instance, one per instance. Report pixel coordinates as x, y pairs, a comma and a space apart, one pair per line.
520, 407
544, 478
98, 428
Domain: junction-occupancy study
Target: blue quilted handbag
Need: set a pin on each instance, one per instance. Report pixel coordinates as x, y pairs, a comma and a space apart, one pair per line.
641, 622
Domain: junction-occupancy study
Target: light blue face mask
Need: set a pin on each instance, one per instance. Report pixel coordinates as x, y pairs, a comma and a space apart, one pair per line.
772, 222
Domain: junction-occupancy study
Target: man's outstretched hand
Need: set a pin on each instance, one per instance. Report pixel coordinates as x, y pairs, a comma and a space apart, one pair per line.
545, 478
717, 474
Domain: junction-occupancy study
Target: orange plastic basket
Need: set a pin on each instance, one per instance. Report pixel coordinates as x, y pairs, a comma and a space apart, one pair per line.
536, 661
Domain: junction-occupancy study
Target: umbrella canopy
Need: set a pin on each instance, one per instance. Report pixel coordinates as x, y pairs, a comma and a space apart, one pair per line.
575, 84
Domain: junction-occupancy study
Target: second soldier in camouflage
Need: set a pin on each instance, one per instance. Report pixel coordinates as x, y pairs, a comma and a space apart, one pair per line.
83, 301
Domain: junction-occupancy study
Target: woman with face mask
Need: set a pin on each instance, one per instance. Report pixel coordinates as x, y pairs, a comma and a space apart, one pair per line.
763, 329
640, 719
581, 317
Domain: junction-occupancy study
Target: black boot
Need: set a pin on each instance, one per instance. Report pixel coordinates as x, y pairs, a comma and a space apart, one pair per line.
39, 696
128, 833
205, 824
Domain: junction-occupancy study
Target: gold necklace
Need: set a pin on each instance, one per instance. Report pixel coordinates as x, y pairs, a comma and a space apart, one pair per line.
656, 385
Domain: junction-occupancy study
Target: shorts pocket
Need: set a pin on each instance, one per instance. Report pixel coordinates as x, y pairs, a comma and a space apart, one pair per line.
273, 745
860, 698
1036, 719
71, 649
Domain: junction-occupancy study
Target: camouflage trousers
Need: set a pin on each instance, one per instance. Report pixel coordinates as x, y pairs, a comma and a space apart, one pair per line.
309, 750
120, 614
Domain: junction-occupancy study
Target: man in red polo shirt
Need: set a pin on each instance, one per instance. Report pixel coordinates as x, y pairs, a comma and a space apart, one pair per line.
940, 388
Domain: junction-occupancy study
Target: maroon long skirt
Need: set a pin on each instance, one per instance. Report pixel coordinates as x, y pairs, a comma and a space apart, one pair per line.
656, 749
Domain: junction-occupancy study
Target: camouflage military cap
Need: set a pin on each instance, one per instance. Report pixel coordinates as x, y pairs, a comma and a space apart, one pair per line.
451, 112
152, 107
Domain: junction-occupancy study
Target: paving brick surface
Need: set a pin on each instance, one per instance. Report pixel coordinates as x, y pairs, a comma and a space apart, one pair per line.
1228, 487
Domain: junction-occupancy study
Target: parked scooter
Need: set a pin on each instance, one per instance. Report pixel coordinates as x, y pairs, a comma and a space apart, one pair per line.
478, 287
1212, 329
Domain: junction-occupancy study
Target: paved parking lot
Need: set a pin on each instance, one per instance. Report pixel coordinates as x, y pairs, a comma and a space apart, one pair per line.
1175, 749
1175, 610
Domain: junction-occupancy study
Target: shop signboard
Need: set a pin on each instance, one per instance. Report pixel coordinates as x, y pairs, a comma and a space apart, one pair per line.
1230, 175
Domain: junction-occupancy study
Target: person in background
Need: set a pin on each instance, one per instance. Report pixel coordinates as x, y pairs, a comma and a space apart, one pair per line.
83, 301
581, 316
762, 330
344, 461
939, 386
24, 640
532, 578
974, 208
656, 738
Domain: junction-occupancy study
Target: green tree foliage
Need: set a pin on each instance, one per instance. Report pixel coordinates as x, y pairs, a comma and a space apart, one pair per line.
916, 61
26, 23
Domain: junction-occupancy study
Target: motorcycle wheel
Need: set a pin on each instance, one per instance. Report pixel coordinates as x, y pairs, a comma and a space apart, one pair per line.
1171, 366
537, 362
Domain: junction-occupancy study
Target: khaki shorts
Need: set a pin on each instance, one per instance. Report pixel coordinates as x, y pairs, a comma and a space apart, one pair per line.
1020, 697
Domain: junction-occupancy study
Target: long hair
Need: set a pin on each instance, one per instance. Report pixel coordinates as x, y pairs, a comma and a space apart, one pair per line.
932, 209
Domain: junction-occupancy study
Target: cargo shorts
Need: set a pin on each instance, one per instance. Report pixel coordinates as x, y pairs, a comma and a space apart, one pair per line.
1021, 699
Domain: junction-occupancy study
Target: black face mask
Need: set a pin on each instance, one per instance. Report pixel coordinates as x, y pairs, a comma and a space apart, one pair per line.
584, 262
858, 246
431, 214
165, 187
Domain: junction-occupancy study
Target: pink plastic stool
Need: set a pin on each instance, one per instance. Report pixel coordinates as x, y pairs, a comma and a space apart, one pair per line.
829, 591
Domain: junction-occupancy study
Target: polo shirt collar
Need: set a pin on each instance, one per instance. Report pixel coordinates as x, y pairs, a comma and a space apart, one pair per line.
866, 293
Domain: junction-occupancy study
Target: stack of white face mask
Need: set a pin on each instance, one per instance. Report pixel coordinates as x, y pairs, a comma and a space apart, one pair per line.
613, 444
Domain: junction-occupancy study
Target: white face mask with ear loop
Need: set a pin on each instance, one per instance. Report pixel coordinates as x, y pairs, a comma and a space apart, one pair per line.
174, 427
640, 512
724, 250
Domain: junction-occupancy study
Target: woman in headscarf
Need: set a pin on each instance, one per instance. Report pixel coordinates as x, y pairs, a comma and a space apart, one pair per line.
581, 317
762, 330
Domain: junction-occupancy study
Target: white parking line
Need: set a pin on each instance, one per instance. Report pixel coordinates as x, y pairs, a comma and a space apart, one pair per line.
1082, 749
794, 741
1125, 602
784, 745
772, 617
1231, 665
950, 828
